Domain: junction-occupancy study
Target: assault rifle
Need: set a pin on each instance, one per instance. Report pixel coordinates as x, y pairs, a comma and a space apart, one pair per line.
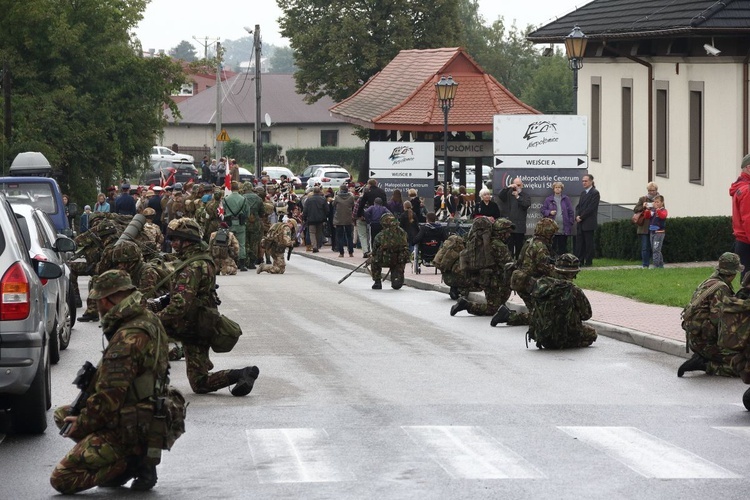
289, 252
83, 381
158, 303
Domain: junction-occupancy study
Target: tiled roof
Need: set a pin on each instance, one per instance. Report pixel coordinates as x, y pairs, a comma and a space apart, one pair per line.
279, 99
402, 96
649, 18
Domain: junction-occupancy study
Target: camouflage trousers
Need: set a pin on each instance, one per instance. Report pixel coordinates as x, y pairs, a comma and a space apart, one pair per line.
199, 366
495, 297
583, 336
253, 236
277, 267
376, 270
226, 266
463, 283
518, 318
741, 365
719, 361
94, 460
239, 233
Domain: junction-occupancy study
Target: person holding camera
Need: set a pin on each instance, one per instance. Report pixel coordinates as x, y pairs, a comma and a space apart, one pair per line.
645, 203
515, 203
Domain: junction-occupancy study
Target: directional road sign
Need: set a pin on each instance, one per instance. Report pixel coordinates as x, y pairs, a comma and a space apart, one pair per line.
382, 173
541, 161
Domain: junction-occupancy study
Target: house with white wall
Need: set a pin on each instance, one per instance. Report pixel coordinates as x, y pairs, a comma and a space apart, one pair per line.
665, 87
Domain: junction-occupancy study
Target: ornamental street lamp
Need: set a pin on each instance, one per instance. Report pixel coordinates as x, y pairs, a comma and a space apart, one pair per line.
446, 92
575, 47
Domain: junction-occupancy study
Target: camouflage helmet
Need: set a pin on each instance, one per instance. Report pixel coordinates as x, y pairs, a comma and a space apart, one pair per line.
729, 263
567, 263
388, 219
184, 228
293, 222
503, 225
110, 282
126, 251
546, 228
247, 186
149, 212
106, 228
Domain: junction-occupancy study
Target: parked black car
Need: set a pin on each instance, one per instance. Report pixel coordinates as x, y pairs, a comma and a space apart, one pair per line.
166, 173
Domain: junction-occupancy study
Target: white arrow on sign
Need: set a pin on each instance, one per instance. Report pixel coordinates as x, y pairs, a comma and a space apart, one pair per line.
572, 161
402, 174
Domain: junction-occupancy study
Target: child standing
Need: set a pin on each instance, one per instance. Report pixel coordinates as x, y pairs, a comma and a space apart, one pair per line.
656, 215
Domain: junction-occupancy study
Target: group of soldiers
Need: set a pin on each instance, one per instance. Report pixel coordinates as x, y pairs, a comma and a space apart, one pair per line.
555, 307
717, 324
145, 299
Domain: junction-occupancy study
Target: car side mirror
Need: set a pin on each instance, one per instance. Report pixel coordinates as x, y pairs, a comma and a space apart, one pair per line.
47, 270
65, 244
72, 209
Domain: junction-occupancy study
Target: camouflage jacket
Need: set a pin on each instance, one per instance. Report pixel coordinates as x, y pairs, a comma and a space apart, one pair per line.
704, 319
191, 287
146, 275
229, 251
391, 245
278, 238
255, 210
494, 277
535, 261
137, 352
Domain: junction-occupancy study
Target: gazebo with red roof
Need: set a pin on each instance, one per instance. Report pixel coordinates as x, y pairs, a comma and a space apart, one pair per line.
402, 97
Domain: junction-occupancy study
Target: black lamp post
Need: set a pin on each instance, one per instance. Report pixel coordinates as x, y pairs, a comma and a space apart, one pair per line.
575, 47
446, 92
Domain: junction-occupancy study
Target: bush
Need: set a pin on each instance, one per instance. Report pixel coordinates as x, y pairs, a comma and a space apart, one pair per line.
245, 153
689, 239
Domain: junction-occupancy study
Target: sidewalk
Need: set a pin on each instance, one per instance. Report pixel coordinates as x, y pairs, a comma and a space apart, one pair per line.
651, 326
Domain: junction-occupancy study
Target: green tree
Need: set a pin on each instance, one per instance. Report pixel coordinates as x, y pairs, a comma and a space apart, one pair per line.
282, 60
184, 51
339, 44
82, 92
551, 87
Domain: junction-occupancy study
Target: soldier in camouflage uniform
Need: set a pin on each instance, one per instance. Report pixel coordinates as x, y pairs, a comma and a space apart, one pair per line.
225, 250
492, 279
254, 225
211, 219
701, 325
266, 221
104, 235
389, 249
275, 243
151, 230
565, 314
111, 430
192, 288
127, 256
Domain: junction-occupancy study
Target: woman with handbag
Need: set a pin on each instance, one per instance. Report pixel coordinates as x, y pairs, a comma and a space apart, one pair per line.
559, 208
644, 203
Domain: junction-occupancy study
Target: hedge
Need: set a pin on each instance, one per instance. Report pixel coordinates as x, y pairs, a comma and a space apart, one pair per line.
688, 239
349, 158
245, 153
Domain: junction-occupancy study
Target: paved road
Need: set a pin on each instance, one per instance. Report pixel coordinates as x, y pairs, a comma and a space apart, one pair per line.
381, 394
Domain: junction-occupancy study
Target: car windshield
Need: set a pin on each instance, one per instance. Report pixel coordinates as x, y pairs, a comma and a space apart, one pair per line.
336, 174
36, 194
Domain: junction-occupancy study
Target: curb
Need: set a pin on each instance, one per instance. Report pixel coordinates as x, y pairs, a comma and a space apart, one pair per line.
621, 333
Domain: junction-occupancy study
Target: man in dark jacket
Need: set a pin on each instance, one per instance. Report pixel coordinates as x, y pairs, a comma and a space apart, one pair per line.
125, 204
514, 204
315, 214
155, 203
586, 219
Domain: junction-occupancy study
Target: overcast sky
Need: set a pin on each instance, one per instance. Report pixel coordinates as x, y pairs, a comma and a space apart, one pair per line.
167, 22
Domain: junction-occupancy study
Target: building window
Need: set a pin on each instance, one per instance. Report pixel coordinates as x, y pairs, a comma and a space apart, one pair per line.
186, 89
596, 110
329, 138
627, 123
695, 132
661, 138
265, 137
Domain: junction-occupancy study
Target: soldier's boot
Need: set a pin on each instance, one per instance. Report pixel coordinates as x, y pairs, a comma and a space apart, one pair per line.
250, 264
145, 478
746, 400
88, 316
244, 380
693, 364
268, 259
453, 293
461, 305
242, 265
258, 261
397, 280
260, 268
378, 285
501, 316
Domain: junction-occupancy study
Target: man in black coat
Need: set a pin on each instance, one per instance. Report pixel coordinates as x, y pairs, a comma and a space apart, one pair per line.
125, 204
514, 205
586, 220
315, 214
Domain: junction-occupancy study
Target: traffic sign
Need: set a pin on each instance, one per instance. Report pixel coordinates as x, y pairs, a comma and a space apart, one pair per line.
223, 136
541, 161
382, 173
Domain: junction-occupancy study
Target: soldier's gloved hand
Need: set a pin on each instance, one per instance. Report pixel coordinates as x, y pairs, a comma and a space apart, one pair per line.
153, 305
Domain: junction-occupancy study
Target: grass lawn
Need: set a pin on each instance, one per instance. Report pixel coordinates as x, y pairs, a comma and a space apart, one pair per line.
670, 287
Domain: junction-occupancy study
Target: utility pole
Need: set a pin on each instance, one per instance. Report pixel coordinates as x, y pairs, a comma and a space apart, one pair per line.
219, 144
258, 141
205, 41
6, 101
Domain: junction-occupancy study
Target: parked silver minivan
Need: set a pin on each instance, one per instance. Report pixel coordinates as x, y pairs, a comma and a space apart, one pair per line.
24, 353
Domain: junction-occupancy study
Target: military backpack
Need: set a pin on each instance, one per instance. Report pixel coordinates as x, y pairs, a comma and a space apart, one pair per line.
220, 244
734, 323
476, 254
449, 253
554, 301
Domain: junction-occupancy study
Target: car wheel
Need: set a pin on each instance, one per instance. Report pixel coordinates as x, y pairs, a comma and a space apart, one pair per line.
54, 344
29, 411
66, 326
72, 305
